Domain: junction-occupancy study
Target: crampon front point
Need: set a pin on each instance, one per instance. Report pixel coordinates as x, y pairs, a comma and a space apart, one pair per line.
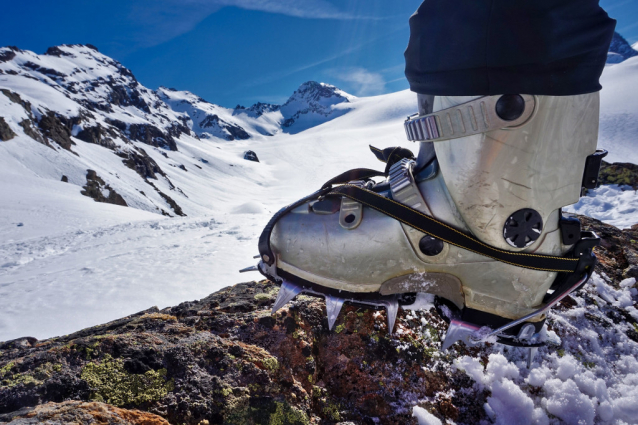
475, 219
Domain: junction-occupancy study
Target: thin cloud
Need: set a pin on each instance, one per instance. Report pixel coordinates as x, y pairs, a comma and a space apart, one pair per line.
162, 20
628, 27
286, 73
616, 5
361, 81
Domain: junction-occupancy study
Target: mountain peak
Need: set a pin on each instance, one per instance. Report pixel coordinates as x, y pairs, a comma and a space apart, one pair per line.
313, 91
313, 103
620, 49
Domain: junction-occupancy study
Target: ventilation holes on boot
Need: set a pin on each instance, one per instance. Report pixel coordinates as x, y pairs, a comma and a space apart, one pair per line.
430, 246
510, 107
523, 228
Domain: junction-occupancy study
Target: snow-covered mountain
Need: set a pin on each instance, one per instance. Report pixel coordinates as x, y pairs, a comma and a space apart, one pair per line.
620, 49
312, 104
74, 121
94, 113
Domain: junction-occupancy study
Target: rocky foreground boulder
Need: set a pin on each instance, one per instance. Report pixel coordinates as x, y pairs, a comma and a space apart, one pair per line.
226, 360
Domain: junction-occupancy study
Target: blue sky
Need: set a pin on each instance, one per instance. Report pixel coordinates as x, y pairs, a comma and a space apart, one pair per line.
242, 51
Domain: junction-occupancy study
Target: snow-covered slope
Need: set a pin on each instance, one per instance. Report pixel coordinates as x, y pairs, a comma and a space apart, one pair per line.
67, 262
75, 109
212, 121
156, 151
619, 111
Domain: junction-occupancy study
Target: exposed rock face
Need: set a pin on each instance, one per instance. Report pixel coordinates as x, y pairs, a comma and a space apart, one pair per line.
235, 132
622, 173
312, 101
57, 128
618, 250
226, 360
143, 164
97, 135
95, 188
260, 108
5, 131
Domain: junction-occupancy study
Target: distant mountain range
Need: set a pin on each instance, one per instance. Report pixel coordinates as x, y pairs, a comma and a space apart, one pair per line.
73, 94
73, 99
620, 49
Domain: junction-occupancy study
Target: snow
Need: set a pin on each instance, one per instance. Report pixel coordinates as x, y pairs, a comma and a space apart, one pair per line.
595, 382
613, 204
67, 262
424, 417
619, 111
76, 263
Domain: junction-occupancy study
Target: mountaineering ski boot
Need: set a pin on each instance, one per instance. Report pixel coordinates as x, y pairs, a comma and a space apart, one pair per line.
475, 219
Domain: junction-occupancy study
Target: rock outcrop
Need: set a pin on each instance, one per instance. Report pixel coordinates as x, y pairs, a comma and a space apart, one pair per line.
5, 131
226, 360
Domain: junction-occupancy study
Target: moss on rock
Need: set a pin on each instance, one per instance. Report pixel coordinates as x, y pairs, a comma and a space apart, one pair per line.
111, 383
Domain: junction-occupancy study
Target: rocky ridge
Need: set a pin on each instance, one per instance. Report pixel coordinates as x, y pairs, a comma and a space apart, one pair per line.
620, 49
226, 360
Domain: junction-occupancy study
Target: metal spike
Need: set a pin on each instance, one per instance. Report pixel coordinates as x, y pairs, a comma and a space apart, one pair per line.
333, 307
392, 309
287, 292
249, 269
530, 356
458, 331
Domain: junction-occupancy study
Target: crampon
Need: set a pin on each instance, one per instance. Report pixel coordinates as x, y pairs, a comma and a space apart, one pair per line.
475, 219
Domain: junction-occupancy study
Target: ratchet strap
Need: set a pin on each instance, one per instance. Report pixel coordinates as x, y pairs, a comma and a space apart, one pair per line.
576, 262
446, 233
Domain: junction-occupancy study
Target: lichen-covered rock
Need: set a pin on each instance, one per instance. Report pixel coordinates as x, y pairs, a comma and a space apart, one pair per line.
622, 173
226, 360
78, 412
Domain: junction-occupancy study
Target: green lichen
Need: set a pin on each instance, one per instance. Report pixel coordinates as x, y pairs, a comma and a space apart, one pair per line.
331, 412
288, 415
560, 352
31, 378
262, 296
340, 328
310, 379
272, 413
4, 370
91, 349
270, 363
112, 384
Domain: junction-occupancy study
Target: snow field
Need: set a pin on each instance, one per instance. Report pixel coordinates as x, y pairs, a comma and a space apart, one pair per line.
612, 204
75, 263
